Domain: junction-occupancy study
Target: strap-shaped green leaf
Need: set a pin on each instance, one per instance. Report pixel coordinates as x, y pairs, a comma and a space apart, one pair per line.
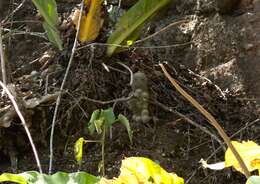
48, 9
53, 35
132, 20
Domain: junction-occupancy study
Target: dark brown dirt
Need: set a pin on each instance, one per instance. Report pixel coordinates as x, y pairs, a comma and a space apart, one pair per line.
221, 45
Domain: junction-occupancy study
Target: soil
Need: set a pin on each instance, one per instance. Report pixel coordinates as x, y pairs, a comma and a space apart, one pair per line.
214, 56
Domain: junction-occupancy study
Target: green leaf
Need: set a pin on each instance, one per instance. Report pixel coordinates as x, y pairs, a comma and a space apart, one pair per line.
91, 123
33, 177
13, 178
78, 150
99, 124
48, 9
132, 20
121, 118
253, 180
109, 116
53, 35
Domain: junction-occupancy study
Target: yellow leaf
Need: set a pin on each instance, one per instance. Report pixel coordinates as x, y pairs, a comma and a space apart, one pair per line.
140, 170
146, 171
78, 150
129, 42
91, 21
130, 179
250, 153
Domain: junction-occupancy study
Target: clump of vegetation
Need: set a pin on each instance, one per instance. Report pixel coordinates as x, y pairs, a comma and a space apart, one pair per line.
134, 170
101, 122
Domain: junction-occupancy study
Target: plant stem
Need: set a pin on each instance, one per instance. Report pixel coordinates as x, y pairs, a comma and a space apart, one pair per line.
3, 67
19, 113
103, 149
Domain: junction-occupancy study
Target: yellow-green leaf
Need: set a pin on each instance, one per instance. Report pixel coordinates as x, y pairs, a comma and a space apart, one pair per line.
78, 150
13, 178
250, 153
99, 124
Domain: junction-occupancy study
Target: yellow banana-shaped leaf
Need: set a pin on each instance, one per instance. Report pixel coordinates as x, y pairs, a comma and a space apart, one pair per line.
248, 150
250, 153
78, 150
91, 21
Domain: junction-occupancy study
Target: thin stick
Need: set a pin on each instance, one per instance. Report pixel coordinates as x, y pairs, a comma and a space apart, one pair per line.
210, 118
130, 71
15, 10
137, 47
11, 97
62, 87
122, 99
210, 82
190, 121
240, 130
14, 33
160, 31
3, 68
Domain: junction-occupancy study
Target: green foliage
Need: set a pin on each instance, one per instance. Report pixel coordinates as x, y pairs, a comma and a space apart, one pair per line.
92, 120
48, 9
102, 119
122, 119
132, 21
53, 35
32, 177
109, 116
253, 180
133, 170
17, 178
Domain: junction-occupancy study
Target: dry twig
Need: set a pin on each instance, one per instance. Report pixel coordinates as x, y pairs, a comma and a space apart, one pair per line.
3, 68
160, 31
11, 97
62, 87
189, 121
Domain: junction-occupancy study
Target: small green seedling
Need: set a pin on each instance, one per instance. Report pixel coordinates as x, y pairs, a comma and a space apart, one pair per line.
101, 121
